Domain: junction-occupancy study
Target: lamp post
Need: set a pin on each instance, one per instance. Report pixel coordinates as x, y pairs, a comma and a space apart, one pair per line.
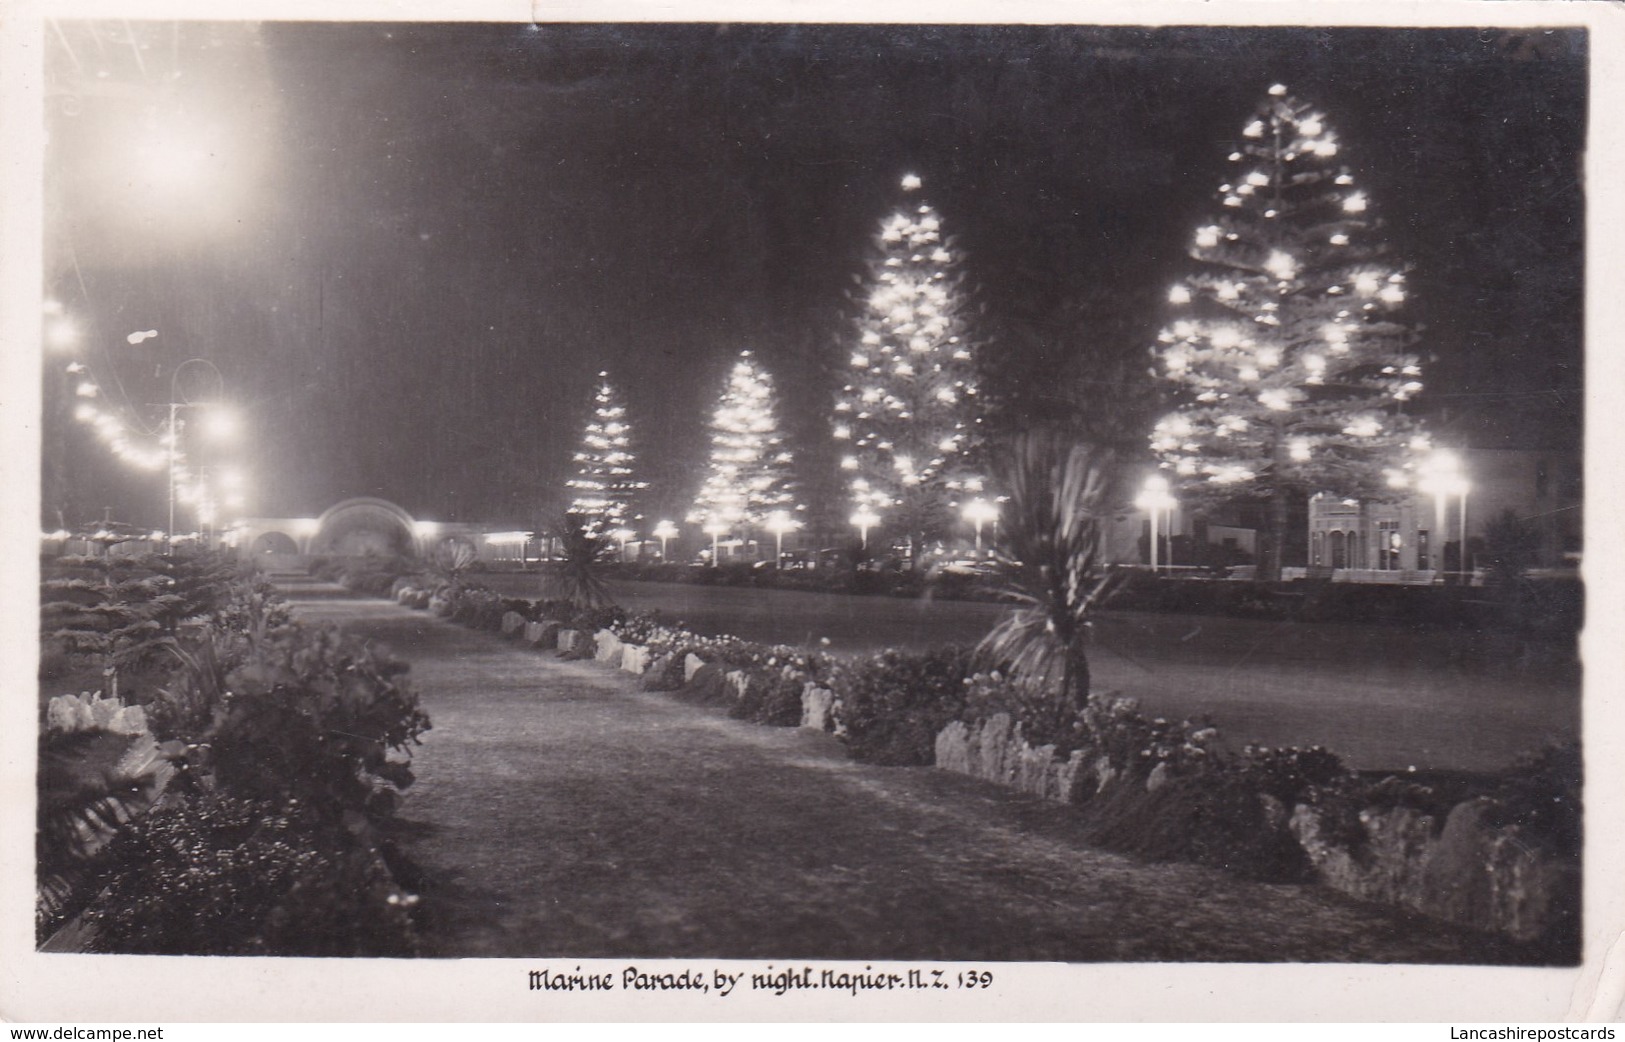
714, 529
221, 426
1442, 478
1155, 499
621, 535
1463, 486
864, 519
978, 512
780, 522
663, 531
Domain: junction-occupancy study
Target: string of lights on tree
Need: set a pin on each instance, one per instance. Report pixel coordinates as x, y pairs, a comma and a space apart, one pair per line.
907, 415
749, 477
604, 485
1292, 369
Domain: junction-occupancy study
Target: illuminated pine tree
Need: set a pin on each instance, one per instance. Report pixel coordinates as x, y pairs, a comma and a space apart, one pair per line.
1291, 367
604, 485
749, 476
907, 418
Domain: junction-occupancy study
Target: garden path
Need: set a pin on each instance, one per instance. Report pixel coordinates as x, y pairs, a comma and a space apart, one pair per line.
560, 811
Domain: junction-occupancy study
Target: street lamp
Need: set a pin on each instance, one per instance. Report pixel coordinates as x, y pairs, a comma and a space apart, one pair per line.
780, 522
1442, 478
663, 531
979, 512
1154, 498
621, 535
714, 529
864, 519
172, 438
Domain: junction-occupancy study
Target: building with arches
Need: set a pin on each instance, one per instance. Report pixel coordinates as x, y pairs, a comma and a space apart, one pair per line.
364, 526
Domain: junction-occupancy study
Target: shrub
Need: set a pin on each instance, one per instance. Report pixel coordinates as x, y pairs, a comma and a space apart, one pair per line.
892, 706
772, 698
1045, 718
326, 569
317, 716
477, 608
591, 620
640, 627
1542, 794
1293, 775
219, 875
1215, 820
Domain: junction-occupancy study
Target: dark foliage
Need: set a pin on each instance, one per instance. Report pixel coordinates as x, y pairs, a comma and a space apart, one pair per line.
219, 875
770, 698
317, 716
892, 706
1210, 820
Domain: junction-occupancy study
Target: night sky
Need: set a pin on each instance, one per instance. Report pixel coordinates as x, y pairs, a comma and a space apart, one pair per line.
409, 249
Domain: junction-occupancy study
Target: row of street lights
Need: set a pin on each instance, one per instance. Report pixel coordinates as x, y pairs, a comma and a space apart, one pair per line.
217, 422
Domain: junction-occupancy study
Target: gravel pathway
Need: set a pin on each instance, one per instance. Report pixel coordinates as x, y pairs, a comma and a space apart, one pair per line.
561, 812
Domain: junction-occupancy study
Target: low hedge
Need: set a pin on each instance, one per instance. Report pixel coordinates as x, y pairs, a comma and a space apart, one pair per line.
888, 582
1550, 608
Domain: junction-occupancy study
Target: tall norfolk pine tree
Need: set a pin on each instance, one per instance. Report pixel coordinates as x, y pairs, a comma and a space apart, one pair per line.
603, 484
749, 477
1291, 367
907, 416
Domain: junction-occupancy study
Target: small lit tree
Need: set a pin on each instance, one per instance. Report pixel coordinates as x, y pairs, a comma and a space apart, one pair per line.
1292, 369
907, 416
749, 476
604, 484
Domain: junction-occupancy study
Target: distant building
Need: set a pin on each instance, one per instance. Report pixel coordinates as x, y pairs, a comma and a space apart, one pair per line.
1408, 540
1422, 533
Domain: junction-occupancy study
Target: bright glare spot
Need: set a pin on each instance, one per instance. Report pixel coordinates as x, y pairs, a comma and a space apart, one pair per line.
1179, 295
1278, 90
138, 337
911, 182
1281, 265
1311, 127
1299, 449
61, 333
1254, 129
1355, 203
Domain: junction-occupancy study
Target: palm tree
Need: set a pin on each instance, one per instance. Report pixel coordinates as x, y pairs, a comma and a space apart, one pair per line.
585, 550
1061, 491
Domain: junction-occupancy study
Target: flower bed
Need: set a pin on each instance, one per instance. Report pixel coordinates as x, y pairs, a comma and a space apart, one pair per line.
1495, 852
254, 815
1499, 853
